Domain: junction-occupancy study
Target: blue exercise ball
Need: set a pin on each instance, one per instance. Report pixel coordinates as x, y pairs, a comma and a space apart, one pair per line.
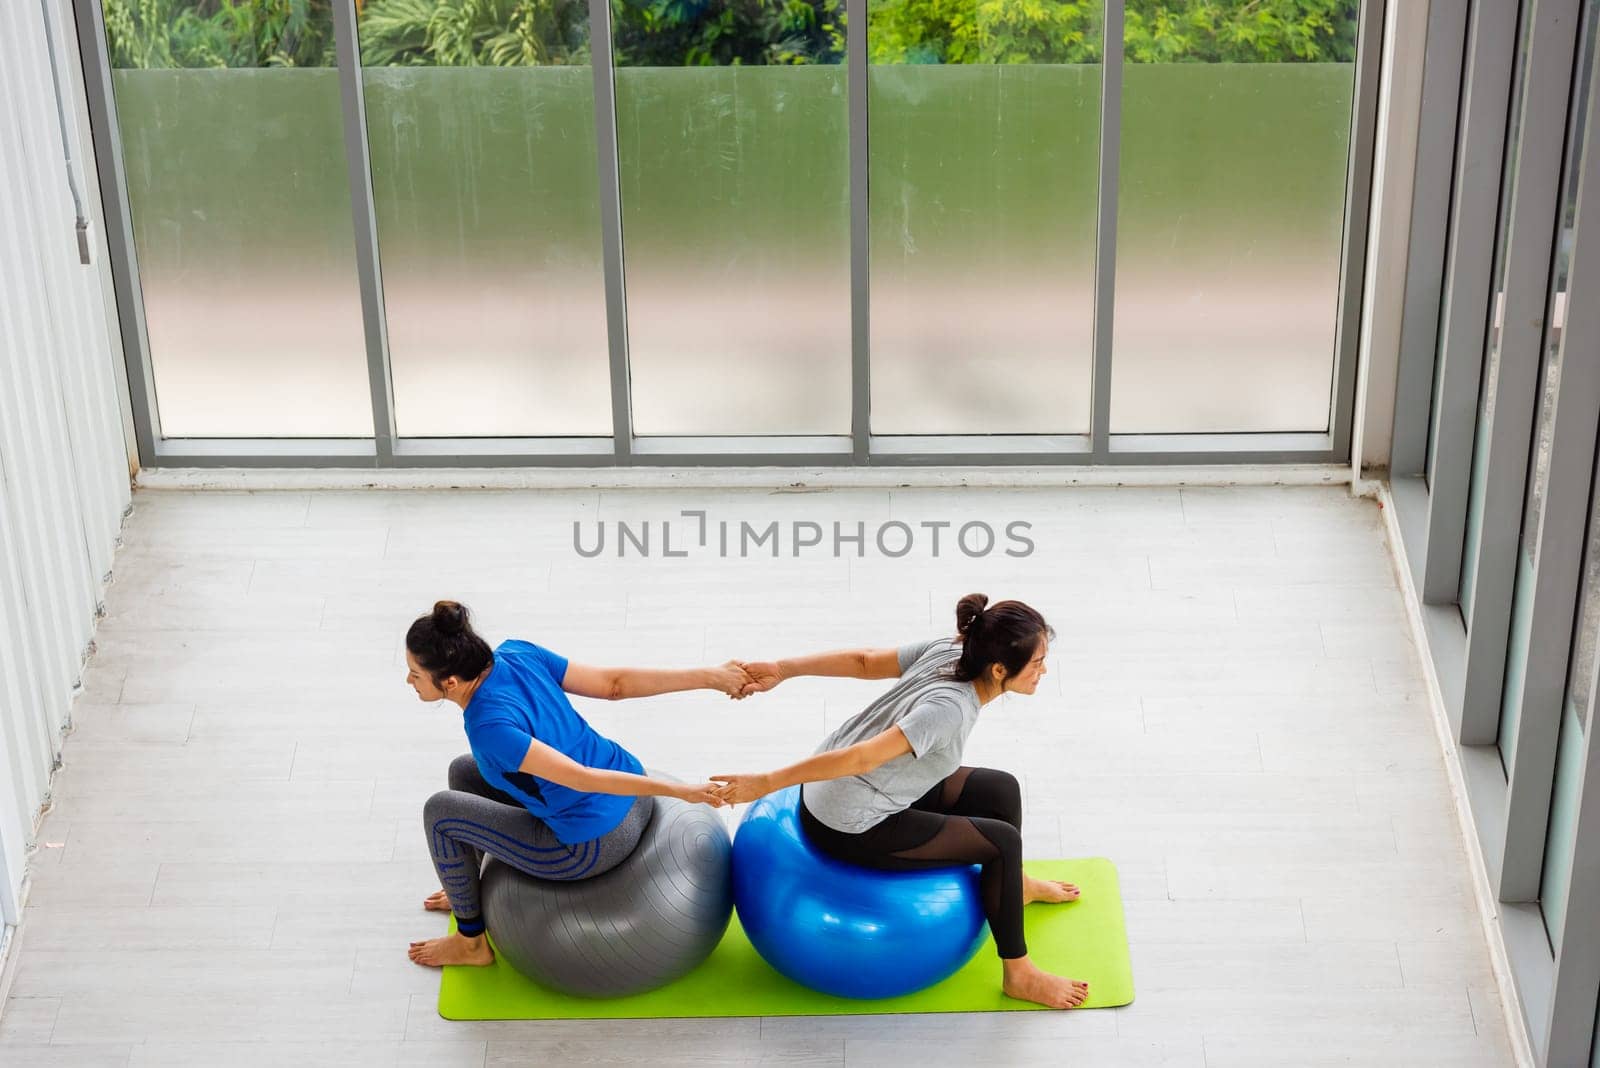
843, 929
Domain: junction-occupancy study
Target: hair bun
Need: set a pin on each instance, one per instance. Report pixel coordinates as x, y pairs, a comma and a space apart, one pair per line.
968, 609
449, 617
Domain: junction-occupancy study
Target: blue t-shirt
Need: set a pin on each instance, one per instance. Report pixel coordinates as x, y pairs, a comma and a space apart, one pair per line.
522, 699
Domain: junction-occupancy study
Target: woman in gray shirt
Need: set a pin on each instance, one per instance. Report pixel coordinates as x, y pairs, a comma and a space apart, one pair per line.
888, 790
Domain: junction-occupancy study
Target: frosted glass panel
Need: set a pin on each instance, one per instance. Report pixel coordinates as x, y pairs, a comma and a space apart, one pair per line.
983, 181
484, 184
1229, 222
241, 222
736, 226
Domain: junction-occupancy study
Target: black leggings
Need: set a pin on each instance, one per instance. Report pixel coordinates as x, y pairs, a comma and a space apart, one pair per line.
972, 817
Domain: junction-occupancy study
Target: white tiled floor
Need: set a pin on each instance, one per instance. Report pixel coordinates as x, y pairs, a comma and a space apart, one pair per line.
1234, 714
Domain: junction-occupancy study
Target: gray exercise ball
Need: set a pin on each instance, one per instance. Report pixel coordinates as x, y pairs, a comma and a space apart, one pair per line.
644, 923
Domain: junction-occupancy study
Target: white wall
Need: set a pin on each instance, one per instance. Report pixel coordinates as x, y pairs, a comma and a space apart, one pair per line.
1389, 232
64, 464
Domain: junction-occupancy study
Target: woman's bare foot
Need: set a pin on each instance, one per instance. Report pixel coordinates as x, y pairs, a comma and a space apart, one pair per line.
453, 948
1047, 890
1025, 982
438, 901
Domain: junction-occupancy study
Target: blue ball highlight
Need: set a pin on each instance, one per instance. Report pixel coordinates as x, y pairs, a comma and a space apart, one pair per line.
843, 929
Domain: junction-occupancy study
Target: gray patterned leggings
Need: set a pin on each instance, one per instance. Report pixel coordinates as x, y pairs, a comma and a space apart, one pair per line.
473, 818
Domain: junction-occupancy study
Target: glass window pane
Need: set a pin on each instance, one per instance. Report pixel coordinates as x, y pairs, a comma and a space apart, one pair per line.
1516, 661
1580, 671
1489, 380
1544, 422
984, 130
1556, 312
233, 147
1450, 254
1558, 843
733, 145
1438, 374
482, 140
1438, 365
1564, 793
1235, 138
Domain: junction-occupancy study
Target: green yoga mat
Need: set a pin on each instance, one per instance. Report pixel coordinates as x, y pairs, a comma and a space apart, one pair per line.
1085, 939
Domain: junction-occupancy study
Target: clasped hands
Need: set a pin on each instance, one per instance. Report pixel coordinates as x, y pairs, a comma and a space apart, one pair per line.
726, 790
739, 679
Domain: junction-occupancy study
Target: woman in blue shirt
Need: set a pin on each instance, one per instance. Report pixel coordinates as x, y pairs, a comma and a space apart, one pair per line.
541, 790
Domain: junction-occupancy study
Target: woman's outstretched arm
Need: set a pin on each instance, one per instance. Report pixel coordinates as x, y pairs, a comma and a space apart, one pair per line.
843, 664
617, 683
557, 767
855, 759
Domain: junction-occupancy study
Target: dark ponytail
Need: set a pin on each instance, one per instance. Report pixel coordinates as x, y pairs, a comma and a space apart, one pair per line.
1008, 634
445, 644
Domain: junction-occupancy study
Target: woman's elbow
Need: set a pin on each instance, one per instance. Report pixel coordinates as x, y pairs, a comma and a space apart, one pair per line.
863, 763
586, 783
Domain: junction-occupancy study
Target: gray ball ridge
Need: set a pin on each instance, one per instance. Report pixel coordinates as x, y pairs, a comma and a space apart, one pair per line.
650, 920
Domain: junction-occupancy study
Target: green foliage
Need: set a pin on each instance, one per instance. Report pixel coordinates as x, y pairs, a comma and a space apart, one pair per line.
219, 33
985, 31
1156, 31
1240, 31
672, 33
474, 33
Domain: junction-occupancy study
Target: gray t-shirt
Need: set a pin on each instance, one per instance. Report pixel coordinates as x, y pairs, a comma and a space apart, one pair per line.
936, 716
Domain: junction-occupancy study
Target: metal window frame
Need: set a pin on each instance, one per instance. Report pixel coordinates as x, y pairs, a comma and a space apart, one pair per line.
616, 287
1559, 537
1105, 240
387, 448
1360, 161
1557, 991
1571, 1030
1570, 1020
1447, 74
858, 88
1530, 238
1444, 321
117, 219
369, 265
1450, 78
1460, 316
1487, 792
1568, 1025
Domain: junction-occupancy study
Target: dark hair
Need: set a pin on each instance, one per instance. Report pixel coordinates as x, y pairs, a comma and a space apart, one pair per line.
445, 644
1006, 633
